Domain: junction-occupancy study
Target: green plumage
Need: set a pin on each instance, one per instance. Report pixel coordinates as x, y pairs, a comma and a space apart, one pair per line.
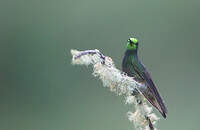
132, 66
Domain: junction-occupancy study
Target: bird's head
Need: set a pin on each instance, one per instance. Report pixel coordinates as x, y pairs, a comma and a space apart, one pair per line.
132, 44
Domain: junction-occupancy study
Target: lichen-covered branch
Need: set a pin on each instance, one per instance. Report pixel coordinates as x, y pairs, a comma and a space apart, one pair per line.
120, 83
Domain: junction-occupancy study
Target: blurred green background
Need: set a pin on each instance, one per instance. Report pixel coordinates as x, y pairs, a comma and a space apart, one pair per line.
41, 90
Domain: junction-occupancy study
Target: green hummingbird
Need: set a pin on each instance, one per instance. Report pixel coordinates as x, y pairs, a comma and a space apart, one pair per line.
133, 67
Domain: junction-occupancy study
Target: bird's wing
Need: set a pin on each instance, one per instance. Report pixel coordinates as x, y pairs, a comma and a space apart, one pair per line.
152, 94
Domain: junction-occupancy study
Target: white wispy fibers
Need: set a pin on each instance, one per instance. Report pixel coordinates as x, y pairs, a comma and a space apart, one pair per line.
120, 83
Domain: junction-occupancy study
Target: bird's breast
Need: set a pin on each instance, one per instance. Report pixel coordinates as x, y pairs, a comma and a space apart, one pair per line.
130, 69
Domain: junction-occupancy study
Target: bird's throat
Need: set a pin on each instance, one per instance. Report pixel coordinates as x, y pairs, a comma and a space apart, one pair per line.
131, 53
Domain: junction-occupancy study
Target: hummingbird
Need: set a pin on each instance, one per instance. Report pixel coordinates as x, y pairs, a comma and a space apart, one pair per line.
132, 66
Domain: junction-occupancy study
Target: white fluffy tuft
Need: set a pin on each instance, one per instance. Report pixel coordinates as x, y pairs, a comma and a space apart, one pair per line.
119, 83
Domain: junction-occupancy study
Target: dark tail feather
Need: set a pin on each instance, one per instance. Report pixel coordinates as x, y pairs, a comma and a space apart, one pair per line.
158, 104
164, 115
